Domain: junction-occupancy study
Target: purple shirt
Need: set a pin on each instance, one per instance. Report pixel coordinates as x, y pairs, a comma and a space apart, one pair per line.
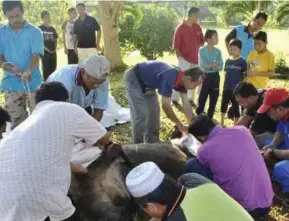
237, 166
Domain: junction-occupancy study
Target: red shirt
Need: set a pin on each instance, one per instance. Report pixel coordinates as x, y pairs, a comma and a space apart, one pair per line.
187, 40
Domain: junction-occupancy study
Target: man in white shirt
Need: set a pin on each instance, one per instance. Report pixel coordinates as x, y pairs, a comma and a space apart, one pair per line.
35, 157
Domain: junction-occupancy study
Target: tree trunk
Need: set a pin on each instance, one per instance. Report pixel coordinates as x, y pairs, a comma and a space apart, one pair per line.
109, 13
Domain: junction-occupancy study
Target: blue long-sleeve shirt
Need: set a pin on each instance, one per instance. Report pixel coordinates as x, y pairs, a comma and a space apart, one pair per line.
207, 57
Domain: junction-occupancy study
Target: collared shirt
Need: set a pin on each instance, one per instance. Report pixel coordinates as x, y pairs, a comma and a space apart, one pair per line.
260, 62
97, 98
85, 32
207, 57
242, 33
18, 48
237, 166
159, 75
187, 40
35, 161
283, 127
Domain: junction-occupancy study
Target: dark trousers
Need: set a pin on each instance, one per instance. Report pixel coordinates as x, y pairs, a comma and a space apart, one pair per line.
228, 96
49, 63
210, 87
72, 57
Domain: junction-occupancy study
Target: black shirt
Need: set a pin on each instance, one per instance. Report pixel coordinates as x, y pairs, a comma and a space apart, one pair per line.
261, 122
233, 34
85, 32
50, 36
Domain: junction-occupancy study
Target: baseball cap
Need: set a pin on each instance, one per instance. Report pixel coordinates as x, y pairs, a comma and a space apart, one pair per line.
96, 66
144, 179
273, 97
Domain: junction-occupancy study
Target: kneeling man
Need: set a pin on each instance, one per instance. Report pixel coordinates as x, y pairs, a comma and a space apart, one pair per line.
141, 81
231, 158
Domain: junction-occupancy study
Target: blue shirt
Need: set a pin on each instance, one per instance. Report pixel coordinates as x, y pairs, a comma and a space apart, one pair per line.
97, 98
207, 57
246, 39
159, 75
235, 70
283, 127
18, 49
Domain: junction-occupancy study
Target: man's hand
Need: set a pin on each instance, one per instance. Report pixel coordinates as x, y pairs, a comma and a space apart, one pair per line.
15, 70
26, 76
182, 129
251, 73
77, 168
268, 154
270, 146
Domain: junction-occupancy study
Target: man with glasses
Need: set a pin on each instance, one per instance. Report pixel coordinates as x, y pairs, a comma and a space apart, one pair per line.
21, 46
86, 83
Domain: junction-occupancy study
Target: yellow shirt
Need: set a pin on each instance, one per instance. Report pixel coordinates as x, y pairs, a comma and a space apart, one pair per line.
260, 62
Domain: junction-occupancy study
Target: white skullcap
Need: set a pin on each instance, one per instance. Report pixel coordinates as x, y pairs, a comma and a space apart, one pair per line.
96, 66
144, 179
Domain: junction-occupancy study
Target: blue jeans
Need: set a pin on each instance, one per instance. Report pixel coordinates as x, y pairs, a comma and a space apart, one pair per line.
281, 175
195, 166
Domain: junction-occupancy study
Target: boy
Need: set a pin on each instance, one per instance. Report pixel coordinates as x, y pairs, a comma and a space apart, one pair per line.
235, 68
187, 40
49, 61
4, 118
193, 197
67, 31
211, 62
261, 62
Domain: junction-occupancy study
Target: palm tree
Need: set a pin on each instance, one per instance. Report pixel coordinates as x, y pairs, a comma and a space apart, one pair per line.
282, 14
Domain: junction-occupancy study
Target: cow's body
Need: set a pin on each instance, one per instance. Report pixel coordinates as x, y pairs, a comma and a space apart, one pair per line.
101, 193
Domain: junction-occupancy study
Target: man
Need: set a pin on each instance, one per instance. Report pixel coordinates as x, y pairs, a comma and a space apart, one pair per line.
187, 40
141, 82
246, 33
192, 198
232, 160
21, 46
85, 28
276, 104
87, 84
261, 125
36, 157
49, 61
67, 33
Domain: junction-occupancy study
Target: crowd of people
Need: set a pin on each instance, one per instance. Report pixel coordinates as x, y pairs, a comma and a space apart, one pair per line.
229, 177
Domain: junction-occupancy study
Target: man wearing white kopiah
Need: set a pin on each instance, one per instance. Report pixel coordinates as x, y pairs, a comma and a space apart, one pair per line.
86, 83
35, 157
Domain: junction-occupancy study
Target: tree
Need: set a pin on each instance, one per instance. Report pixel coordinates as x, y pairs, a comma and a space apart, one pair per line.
282, 14
153, 35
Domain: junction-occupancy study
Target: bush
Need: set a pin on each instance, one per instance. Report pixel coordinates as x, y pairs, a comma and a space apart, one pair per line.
152, 35
282, 69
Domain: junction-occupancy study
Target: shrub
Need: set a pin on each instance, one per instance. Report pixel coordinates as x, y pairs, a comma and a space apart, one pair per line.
282, 69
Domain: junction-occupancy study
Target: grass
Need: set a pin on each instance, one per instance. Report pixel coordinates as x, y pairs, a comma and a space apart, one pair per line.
122, 133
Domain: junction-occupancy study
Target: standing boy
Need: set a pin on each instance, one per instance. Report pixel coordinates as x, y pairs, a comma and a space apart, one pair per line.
211, 62
49, 61
261, 62
67, 33
235, 69
187, 40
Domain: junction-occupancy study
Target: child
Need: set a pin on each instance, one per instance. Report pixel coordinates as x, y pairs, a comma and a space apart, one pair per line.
261, 62
235, 68
49, 61
211, 62
4, 118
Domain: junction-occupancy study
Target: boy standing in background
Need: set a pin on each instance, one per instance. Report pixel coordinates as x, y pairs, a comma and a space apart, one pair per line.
49, 60
187, 40
235, 69
211, 62
261, 62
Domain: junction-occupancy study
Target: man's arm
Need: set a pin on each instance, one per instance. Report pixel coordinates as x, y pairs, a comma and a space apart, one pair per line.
166, 105
187, 108
177, 42
100, 100
9, 67
229, 37
97, 114
281, 154
245, 121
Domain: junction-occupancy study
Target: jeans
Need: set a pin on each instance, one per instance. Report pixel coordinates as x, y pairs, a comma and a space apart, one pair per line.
210, 87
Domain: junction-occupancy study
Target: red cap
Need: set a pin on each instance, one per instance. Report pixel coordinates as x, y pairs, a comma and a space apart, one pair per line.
273, 97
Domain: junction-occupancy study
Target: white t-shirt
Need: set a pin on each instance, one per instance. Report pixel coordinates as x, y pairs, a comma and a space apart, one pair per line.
35, 162
68, 27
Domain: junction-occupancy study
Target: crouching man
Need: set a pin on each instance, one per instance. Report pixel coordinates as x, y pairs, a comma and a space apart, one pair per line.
276, 104
231, 158
35, 157
141, 82
192, 198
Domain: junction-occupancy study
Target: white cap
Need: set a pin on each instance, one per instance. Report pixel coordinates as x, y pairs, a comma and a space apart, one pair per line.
144, 179
96, 66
